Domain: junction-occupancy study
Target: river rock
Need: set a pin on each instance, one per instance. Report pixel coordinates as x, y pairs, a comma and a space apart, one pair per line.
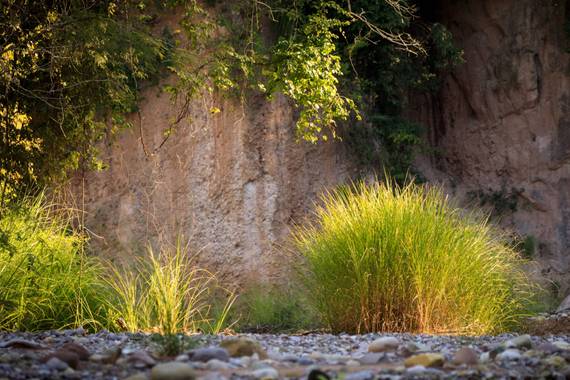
172, 371
371, 358
556, 361
548, 348
562, 345
217, 365
360, 375
267, 373
21, 343
465, 355
510, 354
138, 376
56, 364
237, 347
425, 360
76, 348
207, 354
383, 344
69, 357
141, 357
522, 341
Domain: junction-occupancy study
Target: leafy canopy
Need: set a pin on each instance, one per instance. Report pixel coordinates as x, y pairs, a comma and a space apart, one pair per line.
71, 71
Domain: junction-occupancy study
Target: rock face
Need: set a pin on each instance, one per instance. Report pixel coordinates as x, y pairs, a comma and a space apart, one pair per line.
231, 183
502, 121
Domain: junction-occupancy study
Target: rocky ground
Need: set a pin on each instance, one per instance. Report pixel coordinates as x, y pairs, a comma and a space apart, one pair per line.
73, 354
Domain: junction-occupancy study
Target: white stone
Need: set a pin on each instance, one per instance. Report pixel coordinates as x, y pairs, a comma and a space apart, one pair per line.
387, 343
266, 374
562, 345
522, 341
509, 354
417, 369
182, 358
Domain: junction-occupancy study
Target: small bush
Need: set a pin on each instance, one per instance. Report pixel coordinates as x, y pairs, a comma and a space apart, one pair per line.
268, 308
173, 344
167, 294
402, 259
46, 281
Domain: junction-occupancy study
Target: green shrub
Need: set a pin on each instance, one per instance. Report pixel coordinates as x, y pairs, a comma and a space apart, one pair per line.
270, 308
402, 259
166, 293
46, 282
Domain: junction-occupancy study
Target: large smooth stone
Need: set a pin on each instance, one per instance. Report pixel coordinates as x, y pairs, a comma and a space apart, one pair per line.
207, 354
387, 343
466, 355
425, 360
522, 341
172, 371
238, 347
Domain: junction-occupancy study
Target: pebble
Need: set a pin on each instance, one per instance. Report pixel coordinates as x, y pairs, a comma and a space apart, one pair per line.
69, 357
426, 360
21, 343
384, 344
416, 369
305, 361
556, 361
522, 341
268, 373
485, 357
360, 375
548, 348
509, 354
217, 365
411, 348
298, 355
141, 357
562, 345
465, 355
172, 371
77, 349
56, 364
352, 363
182, 358
237, 347
371, 358
138, 376
207, 354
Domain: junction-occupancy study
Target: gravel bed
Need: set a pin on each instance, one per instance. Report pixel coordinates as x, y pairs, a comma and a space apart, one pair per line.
73, 354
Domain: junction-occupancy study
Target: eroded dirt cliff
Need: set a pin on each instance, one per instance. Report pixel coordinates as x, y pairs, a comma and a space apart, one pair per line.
501, 123
231, 183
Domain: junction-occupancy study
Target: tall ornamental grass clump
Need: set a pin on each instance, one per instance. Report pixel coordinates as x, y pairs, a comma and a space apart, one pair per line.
402, 259
166, 293
46, 281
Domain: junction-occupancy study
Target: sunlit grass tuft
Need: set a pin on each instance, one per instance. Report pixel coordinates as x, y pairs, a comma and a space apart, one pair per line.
402, 259
46, 281
166, 293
